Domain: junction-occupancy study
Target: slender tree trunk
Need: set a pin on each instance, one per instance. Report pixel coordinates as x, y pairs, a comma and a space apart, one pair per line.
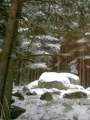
88, 72
83, 70
80, 69
58, 66
7, 92
5, 112
6, 69
6, 50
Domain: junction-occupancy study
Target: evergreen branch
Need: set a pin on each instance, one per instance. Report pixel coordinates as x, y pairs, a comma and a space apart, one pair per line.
48, 29
54, 31
42, 27
27, 59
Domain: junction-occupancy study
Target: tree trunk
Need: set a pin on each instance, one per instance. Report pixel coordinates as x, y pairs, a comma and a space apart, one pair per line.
83, 70
5, 57
80, 69
88, 72
7, 92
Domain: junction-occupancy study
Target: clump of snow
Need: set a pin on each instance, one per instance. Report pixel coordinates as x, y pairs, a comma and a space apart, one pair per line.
86, 57
47, 37
73, 66
73, 69
38, 65
87, 66
40, 13
57, 46
26, 43
83, 40
23, 30
36, 44
75, 24
87, 33
41, 52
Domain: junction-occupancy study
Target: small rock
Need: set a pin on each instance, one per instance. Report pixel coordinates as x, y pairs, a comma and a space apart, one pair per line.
29, 93
75, 95
16, 111
12, 100
25, 89
46, 96
19, 94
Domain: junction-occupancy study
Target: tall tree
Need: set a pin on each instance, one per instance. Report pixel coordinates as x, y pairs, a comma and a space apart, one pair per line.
6, 75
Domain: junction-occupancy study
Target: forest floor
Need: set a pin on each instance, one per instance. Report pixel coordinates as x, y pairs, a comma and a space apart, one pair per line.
57, 109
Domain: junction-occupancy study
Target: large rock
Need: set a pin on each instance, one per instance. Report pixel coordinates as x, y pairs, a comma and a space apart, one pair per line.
53, 80
75, 95
53, 84
16, 111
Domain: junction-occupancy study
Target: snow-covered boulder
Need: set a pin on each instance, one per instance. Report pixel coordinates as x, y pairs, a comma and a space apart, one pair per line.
74, 79
53, 80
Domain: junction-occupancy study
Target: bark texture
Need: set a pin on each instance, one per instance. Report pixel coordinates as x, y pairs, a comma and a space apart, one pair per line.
5, 58
6, 102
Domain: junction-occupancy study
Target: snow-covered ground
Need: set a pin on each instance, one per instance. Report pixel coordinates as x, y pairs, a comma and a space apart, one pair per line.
58, 109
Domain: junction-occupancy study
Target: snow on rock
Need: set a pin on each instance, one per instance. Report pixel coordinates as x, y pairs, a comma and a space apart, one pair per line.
88, 88
72, 86
40, 91
74, 79
33, 84
53, 80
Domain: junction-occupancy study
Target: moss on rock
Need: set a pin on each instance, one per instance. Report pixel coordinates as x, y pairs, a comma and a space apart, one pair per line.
46, 96
53, 84
75, 95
